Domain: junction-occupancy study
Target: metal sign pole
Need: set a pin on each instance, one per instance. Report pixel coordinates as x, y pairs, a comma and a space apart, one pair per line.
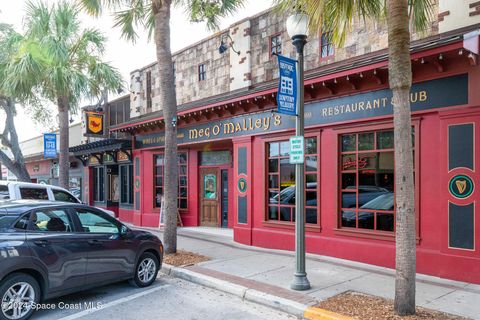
300, 281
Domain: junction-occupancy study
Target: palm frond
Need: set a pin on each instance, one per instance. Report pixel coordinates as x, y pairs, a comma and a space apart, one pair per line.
421, 14
209, 11
128, 20
95, 7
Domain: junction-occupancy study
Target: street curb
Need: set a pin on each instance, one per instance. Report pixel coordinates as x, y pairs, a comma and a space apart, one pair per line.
289, 306
313, 313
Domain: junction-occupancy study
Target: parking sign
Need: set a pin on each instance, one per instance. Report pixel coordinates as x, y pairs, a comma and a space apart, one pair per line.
297, 153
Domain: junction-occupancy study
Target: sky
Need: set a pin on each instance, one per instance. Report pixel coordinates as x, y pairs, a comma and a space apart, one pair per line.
123, 54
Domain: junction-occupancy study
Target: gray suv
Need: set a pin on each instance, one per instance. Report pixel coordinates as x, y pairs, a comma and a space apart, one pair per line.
49, 249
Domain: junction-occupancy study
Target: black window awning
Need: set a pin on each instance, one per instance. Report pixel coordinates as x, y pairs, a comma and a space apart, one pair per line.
97, 148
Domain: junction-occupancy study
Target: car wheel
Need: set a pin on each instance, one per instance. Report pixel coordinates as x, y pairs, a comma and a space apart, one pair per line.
146, 271
19, 292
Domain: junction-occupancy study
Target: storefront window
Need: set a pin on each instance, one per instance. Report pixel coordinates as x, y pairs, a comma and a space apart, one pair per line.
281, 182
159, 166
98, 184
367, 195
126, 185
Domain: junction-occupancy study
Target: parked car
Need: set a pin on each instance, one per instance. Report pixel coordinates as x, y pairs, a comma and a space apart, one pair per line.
16, 190
49, 249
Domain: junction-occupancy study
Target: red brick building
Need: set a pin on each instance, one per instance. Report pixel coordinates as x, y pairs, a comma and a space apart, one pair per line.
233, 148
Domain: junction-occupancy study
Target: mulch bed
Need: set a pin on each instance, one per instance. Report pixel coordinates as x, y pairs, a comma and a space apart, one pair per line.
184, 258
366, 307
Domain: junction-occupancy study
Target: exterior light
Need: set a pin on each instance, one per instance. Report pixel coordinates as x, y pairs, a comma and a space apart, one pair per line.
174, 121
297, 25
224, 46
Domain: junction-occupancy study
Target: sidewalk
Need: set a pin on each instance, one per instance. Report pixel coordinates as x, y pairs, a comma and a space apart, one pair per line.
271, 271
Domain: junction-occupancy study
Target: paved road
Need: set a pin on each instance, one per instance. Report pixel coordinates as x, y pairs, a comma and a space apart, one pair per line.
168, 298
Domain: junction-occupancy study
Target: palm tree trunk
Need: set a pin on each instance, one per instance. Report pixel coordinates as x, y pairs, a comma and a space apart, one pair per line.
168, 101
63, 158
400, 78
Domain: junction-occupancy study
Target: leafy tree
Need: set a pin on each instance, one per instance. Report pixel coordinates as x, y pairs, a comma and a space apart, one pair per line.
60, 61
337, 16
154, 17
9, 137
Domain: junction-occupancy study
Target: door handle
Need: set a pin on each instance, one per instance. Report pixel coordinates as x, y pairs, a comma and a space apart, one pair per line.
93, 241
41, 243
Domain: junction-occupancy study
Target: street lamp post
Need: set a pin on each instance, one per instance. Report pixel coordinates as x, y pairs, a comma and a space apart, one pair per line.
297, 27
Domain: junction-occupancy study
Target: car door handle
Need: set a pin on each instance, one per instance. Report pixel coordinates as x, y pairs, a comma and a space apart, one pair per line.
41, 243
93, 241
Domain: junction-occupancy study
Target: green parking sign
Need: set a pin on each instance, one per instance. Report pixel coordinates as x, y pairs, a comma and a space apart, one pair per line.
297, 149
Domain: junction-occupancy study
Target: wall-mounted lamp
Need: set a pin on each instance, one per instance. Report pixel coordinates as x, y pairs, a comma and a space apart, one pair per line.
224, 45
174, 121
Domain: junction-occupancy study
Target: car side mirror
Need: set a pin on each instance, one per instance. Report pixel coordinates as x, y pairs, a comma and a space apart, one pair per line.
123, 231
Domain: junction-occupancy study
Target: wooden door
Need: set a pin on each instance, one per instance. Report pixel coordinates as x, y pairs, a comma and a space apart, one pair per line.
209, 197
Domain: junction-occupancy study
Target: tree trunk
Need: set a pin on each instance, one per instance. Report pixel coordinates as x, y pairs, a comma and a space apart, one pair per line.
63, 154
400, 78
168, 101
9, 139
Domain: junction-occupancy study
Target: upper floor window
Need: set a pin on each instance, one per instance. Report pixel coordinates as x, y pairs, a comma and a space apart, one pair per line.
202, 72
326, 46
275, 44
119, 111
149, 91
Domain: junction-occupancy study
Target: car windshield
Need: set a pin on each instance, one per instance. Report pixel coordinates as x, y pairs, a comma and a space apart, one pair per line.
382, 202
6, 222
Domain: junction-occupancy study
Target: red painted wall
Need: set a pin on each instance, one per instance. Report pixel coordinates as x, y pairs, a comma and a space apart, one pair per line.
433, 255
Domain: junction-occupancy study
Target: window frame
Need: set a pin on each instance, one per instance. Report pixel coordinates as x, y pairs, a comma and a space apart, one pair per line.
29, 227
96, 179
78, 228
54, 190
271, 46
328, 57
372, 127
186, 187
130, 181
290, 224
202, 72
20, 188
148, 90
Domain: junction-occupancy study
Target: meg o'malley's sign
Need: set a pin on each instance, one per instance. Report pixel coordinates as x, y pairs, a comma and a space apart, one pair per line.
433, 94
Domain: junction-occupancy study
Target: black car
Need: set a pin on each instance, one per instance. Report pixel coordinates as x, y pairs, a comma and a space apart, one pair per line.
49, 249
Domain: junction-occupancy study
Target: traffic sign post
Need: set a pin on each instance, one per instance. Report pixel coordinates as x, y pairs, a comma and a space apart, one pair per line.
297, 153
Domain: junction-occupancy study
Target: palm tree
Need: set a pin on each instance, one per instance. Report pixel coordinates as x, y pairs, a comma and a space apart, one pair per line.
59, 60
337, 15
154, 16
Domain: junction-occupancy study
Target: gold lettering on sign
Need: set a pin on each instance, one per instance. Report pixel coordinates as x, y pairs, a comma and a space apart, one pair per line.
232, 127
378, 103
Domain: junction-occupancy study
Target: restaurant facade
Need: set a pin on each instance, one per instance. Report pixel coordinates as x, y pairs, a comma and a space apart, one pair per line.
233, 158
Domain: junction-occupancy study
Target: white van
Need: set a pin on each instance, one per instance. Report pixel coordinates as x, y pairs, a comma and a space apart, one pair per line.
15, 190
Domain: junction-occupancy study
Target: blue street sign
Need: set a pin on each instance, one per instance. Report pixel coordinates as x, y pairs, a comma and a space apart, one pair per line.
49, 145
287, 86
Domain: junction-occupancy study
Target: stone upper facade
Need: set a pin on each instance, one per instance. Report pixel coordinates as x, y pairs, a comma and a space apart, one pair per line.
255, 65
